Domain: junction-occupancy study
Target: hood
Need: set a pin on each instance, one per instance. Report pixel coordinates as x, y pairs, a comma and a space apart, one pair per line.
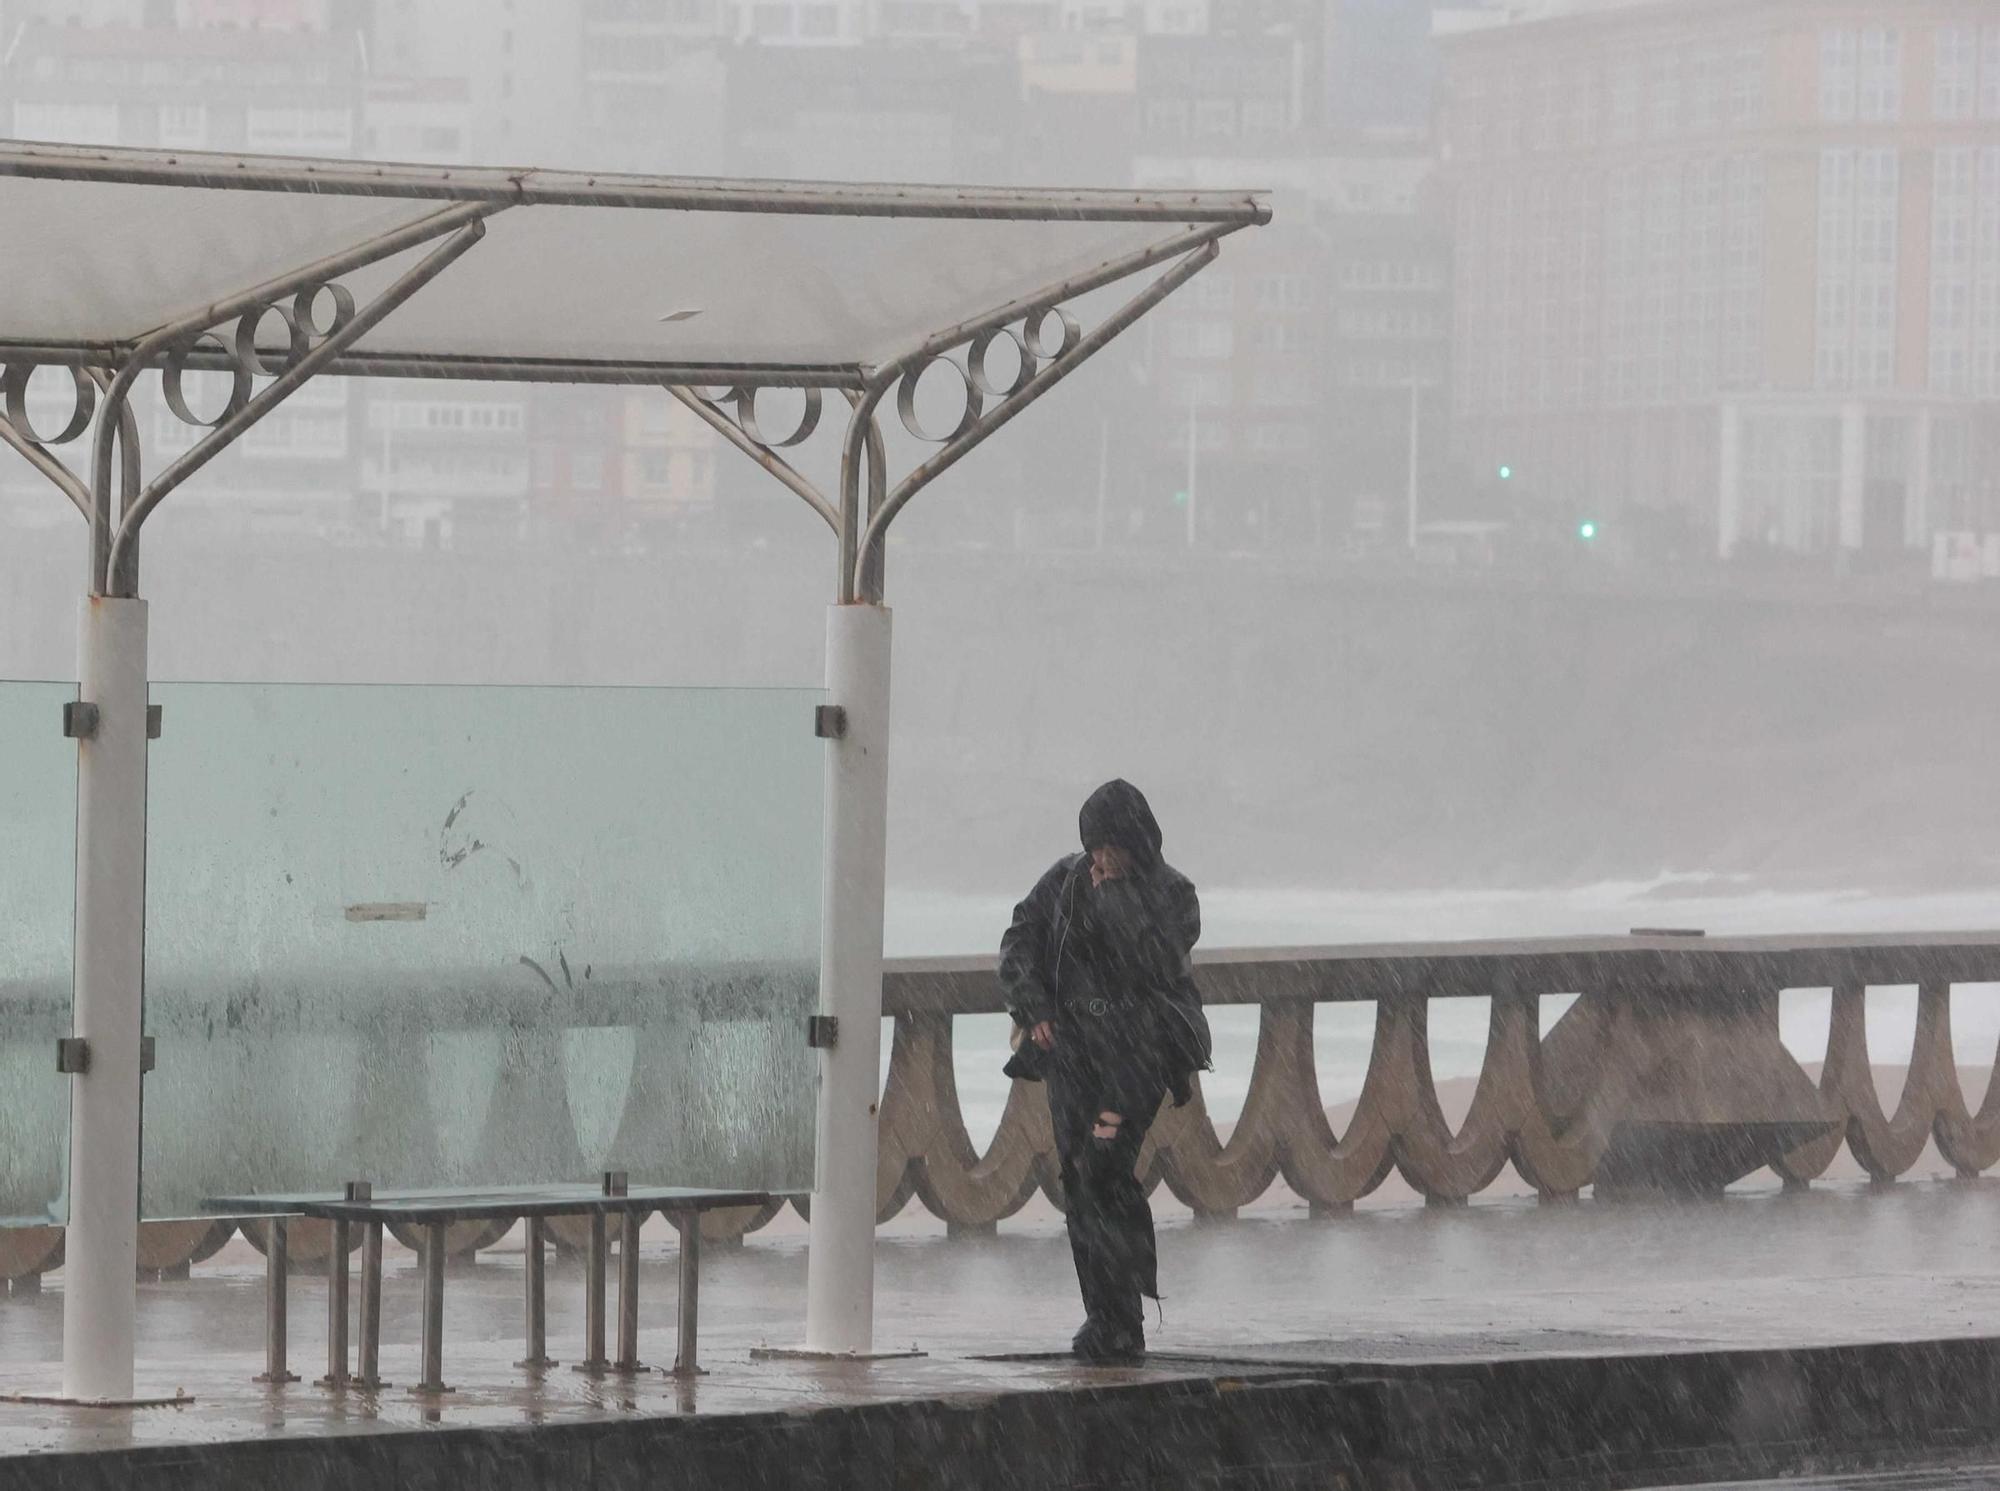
1118, 814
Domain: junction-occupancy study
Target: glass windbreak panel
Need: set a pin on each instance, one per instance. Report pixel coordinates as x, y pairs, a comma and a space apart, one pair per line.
451, 937
37, 915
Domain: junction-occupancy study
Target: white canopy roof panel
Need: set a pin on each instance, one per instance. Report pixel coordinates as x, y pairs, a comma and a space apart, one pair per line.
578, 276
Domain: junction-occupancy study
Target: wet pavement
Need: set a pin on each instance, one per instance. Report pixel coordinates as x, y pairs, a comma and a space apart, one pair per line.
1967, 1478
1406, 1285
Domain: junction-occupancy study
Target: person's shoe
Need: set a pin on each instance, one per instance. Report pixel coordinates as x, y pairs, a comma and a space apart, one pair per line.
1125, 1345
1105, 1345
1088, 1342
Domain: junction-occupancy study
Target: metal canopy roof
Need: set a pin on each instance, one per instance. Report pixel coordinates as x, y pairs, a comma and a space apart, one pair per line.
578, 277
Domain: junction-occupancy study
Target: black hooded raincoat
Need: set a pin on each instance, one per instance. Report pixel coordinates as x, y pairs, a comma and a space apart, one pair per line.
1109, 968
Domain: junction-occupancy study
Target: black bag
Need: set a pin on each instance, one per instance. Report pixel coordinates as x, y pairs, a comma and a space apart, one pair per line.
1028, 1061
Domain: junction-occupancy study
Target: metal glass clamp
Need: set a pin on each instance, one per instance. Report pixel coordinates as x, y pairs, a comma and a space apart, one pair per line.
822, 1032
80, 720
829, 721
73, 1055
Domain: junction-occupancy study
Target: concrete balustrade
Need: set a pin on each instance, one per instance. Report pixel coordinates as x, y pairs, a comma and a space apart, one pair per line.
1671, 1035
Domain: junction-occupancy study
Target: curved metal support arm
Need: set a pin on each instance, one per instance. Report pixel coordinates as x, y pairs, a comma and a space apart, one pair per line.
872, 580
50, 465
1108, 273
864, 440
123, 574
131, 475
862, 427
1086, 348
763, 455
384, 246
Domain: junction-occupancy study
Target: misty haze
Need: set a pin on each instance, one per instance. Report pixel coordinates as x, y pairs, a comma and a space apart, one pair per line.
1575, 512
1688, 314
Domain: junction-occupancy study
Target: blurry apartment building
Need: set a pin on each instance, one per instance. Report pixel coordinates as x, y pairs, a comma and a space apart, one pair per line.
403, 463
1345, 313
1732, 267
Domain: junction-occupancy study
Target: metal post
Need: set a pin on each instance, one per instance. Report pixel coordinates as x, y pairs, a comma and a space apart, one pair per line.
336, 1309
277, 1243
433, 1375
536, 1302
1853, 478
336, 1290
1917, 506
369, 1368
628, 1292
1416, 450
840, 1266
1729, 480
101, 1259
688, 1324
1103, 474
1193, 467
593, 1299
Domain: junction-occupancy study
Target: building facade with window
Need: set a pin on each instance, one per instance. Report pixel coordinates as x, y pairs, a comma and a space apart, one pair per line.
280, 77
1733, 266
1285, 377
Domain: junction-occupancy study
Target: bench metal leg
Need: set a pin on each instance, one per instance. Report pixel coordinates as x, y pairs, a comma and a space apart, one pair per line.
433, 1378
336, 1310
369, 1368
628, 1293
537, 1307
276, 1282
685, 1364
593, 1300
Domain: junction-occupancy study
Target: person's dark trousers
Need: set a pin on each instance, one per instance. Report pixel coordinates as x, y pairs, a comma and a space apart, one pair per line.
1110, 1224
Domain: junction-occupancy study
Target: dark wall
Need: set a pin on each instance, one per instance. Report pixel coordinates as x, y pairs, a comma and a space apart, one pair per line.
1310, 724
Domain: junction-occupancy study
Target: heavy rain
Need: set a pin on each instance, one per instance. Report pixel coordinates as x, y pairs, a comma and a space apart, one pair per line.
1018, 743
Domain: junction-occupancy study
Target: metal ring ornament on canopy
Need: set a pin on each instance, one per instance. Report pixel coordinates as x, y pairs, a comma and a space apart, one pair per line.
981, 376
298, 341
14, 384
175, 369
1035, 330
745, 400
305, 309
304, 326
737, 405
906, 402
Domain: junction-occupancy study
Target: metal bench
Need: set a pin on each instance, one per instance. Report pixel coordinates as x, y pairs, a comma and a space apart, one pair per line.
434, 1211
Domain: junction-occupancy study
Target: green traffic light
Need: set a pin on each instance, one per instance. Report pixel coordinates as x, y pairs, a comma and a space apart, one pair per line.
1506, 473
1587, 531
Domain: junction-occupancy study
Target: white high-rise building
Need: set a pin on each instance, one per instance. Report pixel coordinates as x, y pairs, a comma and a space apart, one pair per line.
1152, 17
802, 22
1734, 270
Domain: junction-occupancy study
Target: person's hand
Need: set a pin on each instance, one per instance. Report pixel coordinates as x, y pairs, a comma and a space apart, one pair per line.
1044, 1035
1109, 863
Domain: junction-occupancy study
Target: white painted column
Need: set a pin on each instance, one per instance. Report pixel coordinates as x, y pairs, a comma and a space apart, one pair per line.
840, 1267
1729, 480
1853, 474
100, 1261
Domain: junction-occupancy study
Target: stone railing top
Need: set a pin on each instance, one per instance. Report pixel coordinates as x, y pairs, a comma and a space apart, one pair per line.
1652, 961
966, 985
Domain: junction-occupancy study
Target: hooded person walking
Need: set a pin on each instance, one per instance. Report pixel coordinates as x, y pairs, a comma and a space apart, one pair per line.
1097, 975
